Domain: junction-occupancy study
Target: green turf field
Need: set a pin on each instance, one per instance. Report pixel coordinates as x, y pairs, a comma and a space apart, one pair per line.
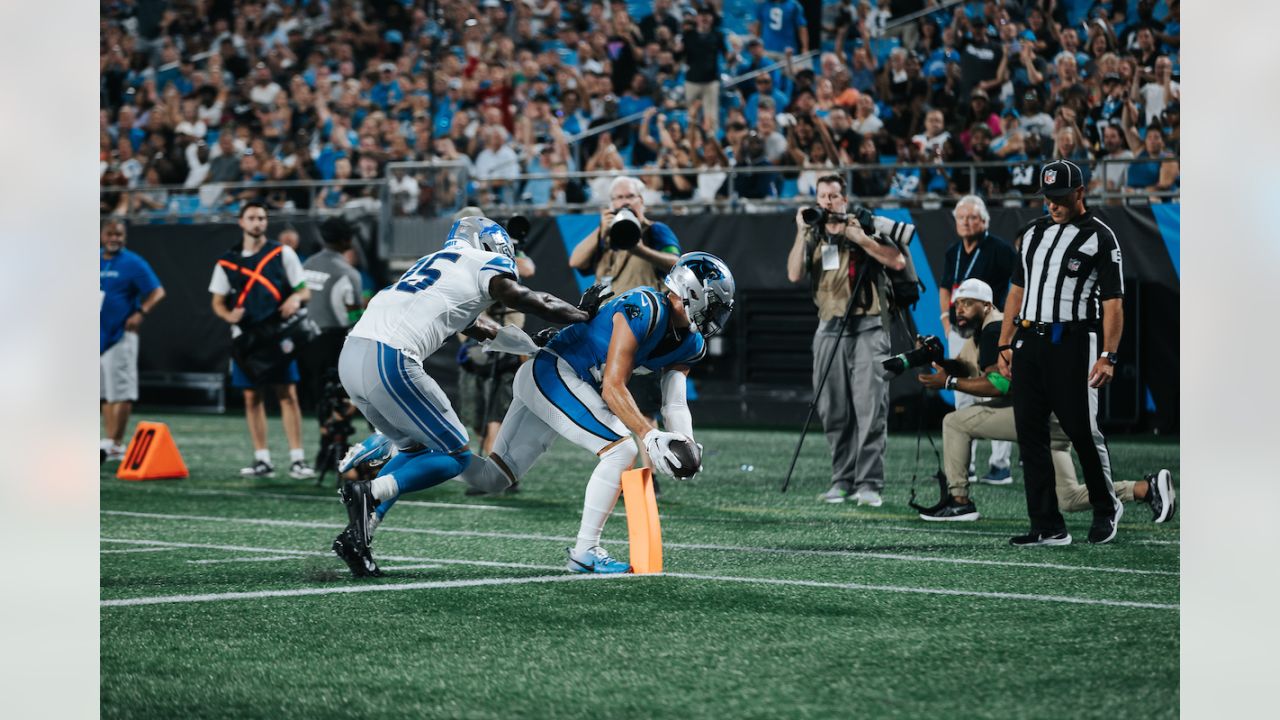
221, 599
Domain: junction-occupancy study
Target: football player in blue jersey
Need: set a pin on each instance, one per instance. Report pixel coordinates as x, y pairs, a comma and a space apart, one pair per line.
576, 387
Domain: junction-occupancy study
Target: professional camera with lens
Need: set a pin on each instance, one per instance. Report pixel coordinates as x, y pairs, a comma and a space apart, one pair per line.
928, 350
624, 232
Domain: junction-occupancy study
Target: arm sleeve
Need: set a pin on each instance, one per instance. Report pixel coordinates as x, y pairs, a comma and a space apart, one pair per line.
293, 268
663, 238
675, 407
1110, 267
219, 284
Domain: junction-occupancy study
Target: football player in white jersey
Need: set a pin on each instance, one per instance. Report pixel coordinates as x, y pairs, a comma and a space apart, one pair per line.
381, 369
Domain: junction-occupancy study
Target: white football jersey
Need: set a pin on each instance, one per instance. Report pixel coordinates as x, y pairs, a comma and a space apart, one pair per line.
436, 298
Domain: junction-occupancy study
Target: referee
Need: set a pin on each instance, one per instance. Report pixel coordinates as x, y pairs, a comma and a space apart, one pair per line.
1063, 319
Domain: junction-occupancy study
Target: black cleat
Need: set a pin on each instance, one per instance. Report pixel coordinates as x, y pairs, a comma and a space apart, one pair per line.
358, 497
1104, 528
1034, 539
951, 510
361, 564
1161, 495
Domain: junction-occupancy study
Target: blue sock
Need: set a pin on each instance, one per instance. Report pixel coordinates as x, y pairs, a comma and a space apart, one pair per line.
421, 470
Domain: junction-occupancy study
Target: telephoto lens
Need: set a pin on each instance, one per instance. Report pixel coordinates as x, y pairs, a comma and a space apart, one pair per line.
811, 216
624, 231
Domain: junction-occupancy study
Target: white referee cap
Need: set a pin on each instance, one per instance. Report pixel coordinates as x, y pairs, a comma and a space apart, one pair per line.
973, 289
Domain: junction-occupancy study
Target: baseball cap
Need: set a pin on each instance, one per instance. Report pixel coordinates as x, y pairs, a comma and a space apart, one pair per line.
973, 289
1059, 178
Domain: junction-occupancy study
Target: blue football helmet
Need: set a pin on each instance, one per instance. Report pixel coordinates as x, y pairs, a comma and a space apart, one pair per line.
705, 284
481, 233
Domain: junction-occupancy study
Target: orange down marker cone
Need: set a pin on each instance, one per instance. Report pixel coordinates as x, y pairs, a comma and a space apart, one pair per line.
152, 455
645, 534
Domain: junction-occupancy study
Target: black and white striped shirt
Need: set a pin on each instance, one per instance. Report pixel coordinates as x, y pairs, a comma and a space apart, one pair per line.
1067, 270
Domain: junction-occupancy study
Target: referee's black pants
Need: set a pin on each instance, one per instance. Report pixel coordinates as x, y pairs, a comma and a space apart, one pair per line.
1053, 377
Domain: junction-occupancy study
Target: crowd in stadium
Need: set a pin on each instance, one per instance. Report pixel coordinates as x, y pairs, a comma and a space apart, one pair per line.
201, 93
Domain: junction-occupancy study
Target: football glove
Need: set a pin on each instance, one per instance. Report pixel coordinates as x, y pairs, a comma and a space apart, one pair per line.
545, 335
592, 299
658, 443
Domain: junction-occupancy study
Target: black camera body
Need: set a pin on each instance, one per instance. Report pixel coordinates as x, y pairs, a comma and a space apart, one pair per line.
930, 350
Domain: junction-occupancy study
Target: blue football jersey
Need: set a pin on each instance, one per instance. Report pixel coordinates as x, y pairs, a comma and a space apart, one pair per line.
585, 346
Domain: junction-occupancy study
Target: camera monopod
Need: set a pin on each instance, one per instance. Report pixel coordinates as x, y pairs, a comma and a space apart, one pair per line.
861, 275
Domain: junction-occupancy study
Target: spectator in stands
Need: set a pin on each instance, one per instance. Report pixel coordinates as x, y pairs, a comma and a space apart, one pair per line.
775, 143
1034, 119
754, 185
1069, 145
1112, 177
703, 49
907, 181
496, 165
660, 17
605, 159
990, 180
782, 26
224, 163
1009, 144
981, 113
764, 89
336, 195
1158, 93
866, 121
980, 56
1160, 173
935, 133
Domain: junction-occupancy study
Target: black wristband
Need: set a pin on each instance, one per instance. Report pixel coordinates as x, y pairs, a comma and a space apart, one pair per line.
1002, 348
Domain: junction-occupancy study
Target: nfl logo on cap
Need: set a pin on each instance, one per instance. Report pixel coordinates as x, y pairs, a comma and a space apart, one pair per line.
1049, 176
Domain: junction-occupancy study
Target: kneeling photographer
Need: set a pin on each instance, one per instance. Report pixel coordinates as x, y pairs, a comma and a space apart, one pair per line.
973, 372
841, 256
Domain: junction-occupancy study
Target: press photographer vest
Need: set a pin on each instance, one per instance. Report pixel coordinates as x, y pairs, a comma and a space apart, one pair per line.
626, 270
969, 350
259, 282
832, 288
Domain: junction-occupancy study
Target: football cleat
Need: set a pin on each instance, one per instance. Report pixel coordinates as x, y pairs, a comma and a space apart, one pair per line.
595, 560
260, 468
1161, 495
375, 450
300, 470
1034, 539
834, 494
358, 497
361, 564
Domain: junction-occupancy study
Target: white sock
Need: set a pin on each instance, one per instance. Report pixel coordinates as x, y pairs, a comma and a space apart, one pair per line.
106, 444
602, 494
384, 487
263, 455
296, 455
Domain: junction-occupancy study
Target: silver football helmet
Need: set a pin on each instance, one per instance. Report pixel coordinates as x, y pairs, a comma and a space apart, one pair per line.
481, 233
705, 284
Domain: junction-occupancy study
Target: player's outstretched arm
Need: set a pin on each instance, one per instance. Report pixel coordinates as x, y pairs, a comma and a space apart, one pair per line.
544, 305
617, 371
675, 406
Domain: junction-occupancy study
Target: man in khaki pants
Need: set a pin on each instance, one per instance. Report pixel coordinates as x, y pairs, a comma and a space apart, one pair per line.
991, 418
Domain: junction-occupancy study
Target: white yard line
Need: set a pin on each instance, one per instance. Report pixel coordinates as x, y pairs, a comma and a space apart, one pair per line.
442, 584
136, 550
269, 558
348, 589
931, 591
673, 546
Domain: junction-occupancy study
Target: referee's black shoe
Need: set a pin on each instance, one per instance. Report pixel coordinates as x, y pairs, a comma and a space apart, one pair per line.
1034, 539
1103, 529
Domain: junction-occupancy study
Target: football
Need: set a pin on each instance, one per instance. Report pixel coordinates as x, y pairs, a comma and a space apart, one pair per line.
690, 457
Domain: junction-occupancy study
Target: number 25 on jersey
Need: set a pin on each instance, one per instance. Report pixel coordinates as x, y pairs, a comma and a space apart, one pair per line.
422, 276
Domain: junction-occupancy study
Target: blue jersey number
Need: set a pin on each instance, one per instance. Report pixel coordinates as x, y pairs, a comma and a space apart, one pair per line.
422, 276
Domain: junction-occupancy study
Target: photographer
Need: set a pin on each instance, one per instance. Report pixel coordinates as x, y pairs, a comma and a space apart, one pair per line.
991, 418
259, 282
336, 296
854, 401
